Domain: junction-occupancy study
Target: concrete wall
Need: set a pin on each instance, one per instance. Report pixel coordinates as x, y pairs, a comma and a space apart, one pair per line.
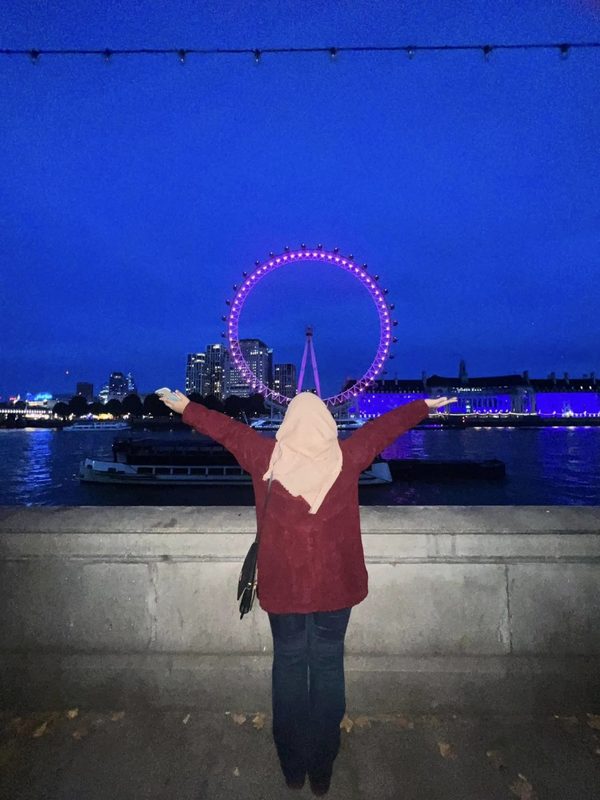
484, 605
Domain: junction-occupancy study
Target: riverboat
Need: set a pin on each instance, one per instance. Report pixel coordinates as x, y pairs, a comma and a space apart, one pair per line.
429, 468
148, 461
97, 425
273, 424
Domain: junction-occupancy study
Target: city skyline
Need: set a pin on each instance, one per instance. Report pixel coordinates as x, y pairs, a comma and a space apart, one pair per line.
527, 374
135, 193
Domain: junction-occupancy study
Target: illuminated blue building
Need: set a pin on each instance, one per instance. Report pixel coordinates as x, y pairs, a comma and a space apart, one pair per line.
494, 395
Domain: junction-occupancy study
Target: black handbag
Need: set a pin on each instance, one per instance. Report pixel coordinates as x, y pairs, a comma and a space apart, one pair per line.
247, 582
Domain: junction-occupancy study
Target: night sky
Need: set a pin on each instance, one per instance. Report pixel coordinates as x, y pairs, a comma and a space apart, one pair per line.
134, 193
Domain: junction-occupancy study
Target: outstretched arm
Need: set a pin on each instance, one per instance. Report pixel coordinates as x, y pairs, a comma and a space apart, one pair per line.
246, 444
377, 434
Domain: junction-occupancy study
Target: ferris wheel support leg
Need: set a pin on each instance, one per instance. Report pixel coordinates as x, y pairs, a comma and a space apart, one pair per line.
313, 360
302, 368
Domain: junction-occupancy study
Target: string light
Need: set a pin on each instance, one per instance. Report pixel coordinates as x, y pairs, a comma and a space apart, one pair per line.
410, 50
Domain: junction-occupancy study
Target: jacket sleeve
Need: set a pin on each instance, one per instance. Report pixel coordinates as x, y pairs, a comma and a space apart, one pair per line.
247, 445
377, 434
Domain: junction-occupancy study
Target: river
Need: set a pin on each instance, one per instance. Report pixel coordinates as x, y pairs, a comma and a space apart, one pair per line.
548, 466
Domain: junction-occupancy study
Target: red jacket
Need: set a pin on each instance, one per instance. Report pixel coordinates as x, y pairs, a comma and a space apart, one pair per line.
308, 562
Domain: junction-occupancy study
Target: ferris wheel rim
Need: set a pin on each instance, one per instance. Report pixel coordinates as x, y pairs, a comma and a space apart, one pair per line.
307, 255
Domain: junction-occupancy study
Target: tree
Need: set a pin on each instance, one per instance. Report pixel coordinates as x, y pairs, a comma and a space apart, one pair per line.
132, 405
78, 405
214, 403
61, 410
114, 407
256, 405
155, 407
234, 405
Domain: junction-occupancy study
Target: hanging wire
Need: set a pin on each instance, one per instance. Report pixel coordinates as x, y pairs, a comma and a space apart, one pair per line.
410, 50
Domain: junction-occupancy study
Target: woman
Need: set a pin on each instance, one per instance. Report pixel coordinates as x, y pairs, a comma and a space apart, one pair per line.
311, 567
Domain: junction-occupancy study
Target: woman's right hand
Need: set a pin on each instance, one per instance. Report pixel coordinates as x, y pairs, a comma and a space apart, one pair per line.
438, 402
176, 405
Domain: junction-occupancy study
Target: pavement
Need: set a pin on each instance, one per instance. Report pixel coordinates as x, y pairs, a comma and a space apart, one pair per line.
146, 753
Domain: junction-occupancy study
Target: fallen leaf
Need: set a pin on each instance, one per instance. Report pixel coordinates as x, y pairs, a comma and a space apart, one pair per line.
597, 751
362, 722
594, 721
236, 772
346, 723
72, 713
404, 722
259, 720
496, 758
186, 719
79, 733
116, 716
431, 720
446, 750
567, 720
523, 789
43, 727
239, 719
41, 730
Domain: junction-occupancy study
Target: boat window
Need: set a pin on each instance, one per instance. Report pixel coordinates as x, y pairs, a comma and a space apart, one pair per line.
197, 471
162, 471
214, 471
111, 469
144, 470
180, 471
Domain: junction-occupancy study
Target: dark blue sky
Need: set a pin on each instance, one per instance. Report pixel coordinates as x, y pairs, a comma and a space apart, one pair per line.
134, 193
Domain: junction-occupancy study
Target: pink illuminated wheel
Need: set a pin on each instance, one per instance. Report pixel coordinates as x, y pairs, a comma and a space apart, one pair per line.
294, 258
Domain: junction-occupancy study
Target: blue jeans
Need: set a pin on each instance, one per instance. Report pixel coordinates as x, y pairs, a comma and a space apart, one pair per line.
309, 699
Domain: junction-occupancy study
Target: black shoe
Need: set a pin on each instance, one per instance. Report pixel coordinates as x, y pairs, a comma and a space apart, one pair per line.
319, 786
295, 784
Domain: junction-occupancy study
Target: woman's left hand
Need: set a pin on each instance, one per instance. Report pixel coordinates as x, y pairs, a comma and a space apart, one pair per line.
438, 402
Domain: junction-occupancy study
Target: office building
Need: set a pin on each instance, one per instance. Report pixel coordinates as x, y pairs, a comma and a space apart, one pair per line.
259, 358
195, 374
217, 371
491, 395
118, 386
131, 386
284, 379
86, 390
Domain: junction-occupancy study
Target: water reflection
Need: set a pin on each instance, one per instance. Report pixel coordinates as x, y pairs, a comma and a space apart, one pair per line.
34, 471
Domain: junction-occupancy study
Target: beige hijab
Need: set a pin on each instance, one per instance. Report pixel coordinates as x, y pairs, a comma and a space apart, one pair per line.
307, 457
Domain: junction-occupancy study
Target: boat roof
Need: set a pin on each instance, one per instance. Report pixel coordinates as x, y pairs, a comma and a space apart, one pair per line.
171, 443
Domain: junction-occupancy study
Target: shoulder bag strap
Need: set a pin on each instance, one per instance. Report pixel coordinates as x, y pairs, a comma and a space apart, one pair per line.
264, 509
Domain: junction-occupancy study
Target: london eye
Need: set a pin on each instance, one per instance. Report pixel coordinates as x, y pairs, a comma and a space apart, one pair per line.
295, 259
